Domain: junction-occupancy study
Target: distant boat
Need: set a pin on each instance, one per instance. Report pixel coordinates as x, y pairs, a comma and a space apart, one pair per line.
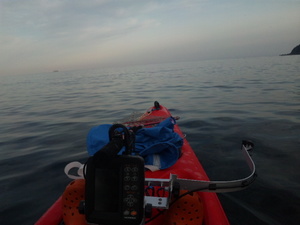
55, 71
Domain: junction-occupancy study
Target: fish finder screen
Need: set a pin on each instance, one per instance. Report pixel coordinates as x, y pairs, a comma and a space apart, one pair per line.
106, 190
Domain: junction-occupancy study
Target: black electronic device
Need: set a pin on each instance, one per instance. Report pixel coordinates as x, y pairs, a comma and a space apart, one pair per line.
114, 192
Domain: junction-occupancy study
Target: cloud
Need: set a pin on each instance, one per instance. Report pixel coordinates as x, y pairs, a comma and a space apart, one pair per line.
55, 18
60, 20
44, 27
68, 34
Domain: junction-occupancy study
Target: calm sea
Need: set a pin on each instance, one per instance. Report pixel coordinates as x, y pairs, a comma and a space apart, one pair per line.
45, 119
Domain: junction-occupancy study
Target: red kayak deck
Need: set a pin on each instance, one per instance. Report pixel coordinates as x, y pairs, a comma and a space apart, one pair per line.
187, 167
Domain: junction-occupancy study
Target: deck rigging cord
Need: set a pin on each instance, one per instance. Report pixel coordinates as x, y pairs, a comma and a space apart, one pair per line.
217, 186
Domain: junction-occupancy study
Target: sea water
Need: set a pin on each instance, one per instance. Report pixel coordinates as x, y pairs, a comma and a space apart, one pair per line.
45, 119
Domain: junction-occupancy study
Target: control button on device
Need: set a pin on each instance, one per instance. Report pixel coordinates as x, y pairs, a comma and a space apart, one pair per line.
134, 188
133, 213
130, 204
127, 169
135, 169
126, 213
135, 178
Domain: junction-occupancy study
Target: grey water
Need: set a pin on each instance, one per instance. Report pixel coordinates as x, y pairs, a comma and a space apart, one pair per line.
45, 119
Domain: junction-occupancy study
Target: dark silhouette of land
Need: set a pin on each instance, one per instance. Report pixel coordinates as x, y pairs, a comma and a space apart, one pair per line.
295, 51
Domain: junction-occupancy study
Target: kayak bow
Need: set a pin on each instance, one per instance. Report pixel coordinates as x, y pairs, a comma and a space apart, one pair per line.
195, 202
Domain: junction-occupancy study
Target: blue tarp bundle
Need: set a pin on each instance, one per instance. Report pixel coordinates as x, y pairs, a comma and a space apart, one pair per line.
159, 145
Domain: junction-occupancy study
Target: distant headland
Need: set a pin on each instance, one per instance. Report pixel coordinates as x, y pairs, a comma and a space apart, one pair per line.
295, 51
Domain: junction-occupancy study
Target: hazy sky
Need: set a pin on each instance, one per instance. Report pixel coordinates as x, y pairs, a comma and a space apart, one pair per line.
46, 35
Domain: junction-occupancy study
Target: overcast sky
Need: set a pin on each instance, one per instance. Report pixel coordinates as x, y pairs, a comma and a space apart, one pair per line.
46, 35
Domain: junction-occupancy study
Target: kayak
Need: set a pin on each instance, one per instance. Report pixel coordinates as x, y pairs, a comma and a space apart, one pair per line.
196, 207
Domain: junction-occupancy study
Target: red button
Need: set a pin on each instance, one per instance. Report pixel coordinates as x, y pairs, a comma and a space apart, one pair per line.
133, 213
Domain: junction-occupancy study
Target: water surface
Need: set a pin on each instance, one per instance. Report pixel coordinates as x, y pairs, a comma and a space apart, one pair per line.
45, 119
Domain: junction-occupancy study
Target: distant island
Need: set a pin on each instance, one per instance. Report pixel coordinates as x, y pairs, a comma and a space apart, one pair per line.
295, 51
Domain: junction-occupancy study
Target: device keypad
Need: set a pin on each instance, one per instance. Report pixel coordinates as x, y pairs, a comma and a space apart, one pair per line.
131, 190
